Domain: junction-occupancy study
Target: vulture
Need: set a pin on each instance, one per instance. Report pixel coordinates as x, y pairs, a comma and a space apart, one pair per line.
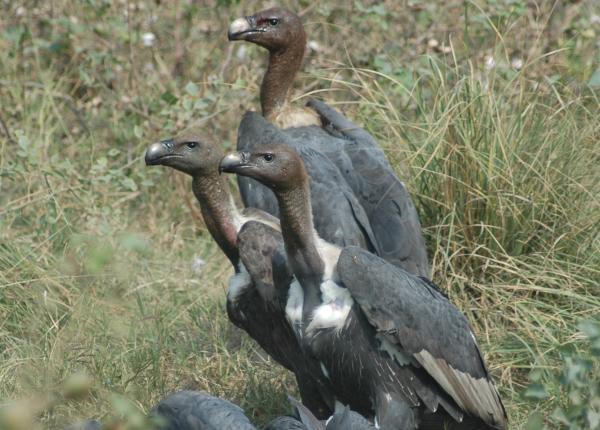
198, 410
257, 293
318, 128
392, 346
338, 215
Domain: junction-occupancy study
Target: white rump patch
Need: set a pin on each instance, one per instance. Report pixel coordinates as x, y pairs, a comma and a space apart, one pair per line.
238, 283
295, 305
479, 397
334, 311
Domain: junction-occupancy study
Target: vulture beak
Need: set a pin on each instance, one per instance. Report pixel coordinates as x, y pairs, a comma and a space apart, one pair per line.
240, 28
158, 152
234, 162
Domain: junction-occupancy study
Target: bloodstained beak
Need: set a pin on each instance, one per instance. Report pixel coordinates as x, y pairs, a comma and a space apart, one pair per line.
240, 28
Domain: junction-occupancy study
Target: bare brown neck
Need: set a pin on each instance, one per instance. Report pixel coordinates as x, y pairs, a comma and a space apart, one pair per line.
299, 234
279, 77
300, 245
218, 212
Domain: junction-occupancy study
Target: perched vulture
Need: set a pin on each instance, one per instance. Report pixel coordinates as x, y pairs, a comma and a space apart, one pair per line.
257, 293
390, 343
318, 128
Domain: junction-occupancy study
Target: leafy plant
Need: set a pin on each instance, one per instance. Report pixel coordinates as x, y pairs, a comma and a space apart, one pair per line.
576, 386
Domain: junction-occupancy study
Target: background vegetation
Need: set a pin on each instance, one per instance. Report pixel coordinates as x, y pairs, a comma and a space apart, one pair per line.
110, 282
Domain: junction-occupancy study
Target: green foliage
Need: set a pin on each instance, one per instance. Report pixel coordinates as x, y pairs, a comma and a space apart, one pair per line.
577, 386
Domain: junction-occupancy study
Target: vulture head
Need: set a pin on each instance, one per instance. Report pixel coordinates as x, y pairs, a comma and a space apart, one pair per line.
279, 167
190, 152
274, 29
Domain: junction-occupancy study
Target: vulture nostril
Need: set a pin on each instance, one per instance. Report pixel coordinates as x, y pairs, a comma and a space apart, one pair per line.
168, 143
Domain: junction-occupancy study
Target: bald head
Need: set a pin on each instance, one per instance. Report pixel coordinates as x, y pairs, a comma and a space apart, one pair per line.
279, 167
274, 29
191, 152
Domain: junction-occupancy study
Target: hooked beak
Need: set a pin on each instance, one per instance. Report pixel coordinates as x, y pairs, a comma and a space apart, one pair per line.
234, 162
241, 27
158, 152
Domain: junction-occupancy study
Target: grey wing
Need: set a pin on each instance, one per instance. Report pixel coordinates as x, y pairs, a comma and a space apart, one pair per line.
285, 423
389, 207
262, 252
419, 320
340, 126
263, 255
197, 410
253, 132
348, 420
337, 215
310, 422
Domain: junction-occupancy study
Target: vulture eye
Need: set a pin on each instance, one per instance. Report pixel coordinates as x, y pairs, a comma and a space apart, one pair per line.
191, 145
268, 157
273, 22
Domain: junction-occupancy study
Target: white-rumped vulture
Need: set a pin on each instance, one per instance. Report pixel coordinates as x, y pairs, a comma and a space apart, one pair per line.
393, 229
390, 343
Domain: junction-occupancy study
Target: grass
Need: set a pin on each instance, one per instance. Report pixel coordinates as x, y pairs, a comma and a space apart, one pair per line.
97, 251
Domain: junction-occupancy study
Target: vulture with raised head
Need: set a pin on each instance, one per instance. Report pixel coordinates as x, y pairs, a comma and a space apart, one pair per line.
257, 292
338, 215
390, 343
391, 214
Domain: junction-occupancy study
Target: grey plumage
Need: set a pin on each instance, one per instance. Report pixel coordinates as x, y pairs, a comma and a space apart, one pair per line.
348, 420
198, 410
385, 199
263, 254
286, 423
421, 323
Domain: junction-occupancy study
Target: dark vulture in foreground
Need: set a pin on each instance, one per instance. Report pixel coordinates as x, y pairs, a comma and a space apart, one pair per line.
198, 410
391, 345
258, 291
320, 129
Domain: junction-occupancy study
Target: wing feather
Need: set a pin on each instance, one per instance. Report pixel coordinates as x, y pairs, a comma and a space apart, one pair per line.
389, 207
423, 322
